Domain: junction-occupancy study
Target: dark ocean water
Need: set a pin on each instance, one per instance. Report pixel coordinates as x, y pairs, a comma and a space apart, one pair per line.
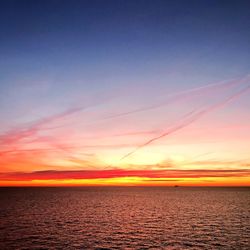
124, 218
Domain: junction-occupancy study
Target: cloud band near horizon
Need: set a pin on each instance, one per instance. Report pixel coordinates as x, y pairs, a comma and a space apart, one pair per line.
118, 173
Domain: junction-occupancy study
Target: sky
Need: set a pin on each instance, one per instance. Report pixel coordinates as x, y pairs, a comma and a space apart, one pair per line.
124, 93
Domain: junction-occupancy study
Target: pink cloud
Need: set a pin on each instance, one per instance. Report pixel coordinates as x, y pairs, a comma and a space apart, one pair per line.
115, 173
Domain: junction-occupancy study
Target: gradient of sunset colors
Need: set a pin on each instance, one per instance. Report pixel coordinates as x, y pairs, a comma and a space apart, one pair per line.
125, 93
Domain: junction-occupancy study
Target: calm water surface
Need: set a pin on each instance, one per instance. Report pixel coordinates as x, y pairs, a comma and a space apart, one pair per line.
124, 218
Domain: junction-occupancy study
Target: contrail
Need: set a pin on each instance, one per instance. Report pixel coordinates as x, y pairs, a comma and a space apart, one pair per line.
189, 120
183, 94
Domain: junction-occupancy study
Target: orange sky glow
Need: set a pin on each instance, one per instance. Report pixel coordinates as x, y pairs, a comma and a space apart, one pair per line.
194, 137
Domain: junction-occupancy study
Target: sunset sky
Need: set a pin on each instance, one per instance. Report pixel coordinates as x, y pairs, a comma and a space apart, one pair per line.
124, 93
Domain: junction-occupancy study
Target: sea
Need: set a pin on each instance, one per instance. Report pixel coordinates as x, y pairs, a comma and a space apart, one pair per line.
124, 218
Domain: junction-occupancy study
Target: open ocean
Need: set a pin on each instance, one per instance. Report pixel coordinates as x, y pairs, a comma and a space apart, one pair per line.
125, 218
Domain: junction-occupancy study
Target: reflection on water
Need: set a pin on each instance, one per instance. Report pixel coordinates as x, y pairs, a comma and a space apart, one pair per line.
124, 218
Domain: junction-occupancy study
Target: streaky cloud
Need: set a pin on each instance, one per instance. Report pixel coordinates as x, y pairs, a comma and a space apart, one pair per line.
118, 173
